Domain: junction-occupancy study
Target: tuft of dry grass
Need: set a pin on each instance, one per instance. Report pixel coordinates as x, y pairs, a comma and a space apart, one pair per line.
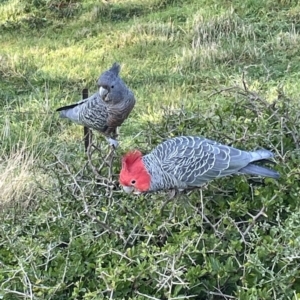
19, 182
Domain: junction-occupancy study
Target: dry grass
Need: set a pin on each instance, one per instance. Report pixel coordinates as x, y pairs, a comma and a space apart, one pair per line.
221, 38
19, 182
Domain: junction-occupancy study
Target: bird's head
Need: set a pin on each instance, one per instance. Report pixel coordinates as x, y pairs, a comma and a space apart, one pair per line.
134, 176
111, 87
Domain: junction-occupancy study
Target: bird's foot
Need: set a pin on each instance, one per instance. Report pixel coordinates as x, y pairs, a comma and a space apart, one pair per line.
172, 194
113, 143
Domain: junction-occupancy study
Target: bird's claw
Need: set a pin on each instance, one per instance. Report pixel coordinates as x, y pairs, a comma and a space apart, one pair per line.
113, 143
171, 194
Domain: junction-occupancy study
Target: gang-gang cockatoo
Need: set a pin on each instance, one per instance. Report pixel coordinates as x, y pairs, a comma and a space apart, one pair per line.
105, 110
187, 162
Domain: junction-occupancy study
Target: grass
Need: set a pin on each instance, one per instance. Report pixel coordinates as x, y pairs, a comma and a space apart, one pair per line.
175, 56
18, 184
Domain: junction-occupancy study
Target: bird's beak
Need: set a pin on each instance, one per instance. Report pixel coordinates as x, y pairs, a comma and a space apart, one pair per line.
128, 189
103, 92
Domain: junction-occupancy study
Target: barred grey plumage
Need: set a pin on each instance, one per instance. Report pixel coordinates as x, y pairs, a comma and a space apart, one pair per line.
105, 110
186, 162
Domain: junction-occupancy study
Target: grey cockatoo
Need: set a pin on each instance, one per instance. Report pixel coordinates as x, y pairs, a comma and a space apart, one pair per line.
188, 162
106, 109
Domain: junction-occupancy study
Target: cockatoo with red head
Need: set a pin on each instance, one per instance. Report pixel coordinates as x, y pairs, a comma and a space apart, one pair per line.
187, 162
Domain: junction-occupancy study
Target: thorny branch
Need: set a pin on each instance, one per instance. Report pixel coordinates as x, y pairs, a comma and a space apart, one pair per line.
105, 181
254, 219
106, 161
257, 104
170, 275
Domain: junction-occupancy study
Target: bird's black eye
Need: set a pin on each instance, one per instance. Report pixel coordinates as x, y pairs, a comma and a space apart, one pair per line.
112, 86
132, 181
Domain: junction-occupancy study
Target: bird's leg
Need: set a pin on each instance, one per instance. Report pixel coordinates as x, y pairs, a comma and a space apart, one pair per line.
172, 194
111, 137
110, 156
112, 142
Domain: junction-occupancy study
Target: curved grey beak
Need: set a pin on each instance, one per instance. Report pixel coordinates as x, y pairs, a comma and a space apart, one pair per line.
103, 92
128, 189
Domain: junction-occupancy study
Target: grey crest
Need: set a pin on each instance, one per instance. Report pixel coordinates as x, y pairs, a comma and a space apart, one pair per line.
105, 110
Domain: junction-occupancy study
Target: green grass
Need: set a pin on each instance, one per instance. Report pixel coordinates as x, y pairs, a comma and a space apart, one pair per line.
176, 56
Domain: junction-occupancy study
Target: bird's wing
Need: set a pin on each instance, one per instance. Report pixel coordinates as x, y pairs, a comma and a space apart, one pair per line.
196, 160
91, 112
118, 113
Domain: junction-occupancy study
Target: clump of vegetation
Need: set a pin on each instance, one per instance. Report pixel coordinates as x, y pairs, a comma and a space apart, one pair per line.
227, 71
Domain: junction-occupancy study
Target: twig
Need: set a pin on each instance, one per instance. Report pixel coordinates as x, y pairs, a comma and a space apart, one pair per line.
105, 226
18, 293
223, 295
88, 137
203, 216
223, 90
102, 224
108, 160
260, 213
253, 96
244, 82
86, 208
87, 133
146, 296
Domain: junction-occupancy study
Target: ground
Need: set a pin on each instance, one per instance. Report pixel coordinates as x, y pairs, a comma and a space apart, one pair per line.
228, 70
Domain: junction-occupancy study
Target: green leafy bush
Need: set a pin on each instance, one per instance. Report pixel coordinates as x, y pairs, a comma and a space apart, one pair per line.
228, 70
237, 237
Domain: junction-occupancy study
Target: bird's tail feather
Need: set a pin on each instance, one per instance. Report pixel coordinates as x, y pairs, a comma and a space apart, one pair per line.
258, 170
261, 154
70, 113
67, 107
63, 114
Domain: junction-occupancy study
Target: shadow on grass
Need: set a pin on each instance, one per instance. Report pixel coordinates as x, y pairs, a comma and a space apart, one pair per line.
42, 14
